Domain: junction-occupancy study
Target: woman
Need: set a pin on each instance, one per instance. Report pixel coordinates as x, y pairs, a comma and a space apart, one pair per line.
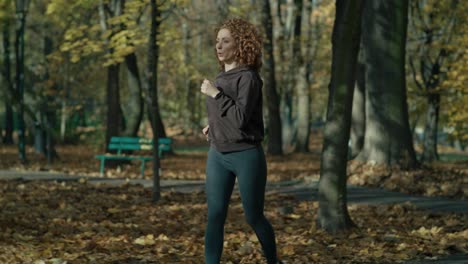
235, 132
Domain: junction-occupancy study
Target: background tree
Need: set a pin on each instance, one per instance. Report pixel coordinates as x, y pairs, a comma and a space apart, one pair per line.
433, 27
333, 212
387, 138
358, 122
6, 80
288, 49
45, 90
303, 75
223, 8
115, 122
152, 92
272, 99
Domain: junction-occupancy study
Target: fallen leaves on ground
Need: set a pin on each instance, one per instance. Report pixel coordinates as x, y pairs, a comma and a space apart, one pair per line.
449, 179
79, 160
77, 222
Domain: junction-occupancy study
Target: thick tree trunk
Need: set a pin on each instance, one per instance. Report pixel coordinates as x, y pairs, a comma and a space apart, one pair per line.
274, 120
333, 213
114, 121
430, 130
358, 122
388, 138
8, 138
134, 106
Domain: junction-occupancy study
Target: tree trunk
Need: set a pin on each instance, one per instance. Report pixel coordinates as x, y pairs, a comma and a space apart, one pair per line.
358, 122
114, 119
290, 49
50, 119
432, 56
39, 135
190, 95
19, 79
302, 86
430, 130
388, 138
333, 213
288, 121
303, 111
134, 109
63, 107
8, 138
274, 120
152, 94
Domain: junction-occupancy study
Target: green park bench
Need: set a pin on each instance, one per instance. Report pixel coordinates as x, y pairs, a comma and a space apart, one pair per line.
133, 143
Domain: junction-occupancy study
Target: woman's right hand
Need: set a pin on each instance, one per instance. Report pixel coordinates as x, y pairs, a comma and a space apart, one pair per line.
205, 131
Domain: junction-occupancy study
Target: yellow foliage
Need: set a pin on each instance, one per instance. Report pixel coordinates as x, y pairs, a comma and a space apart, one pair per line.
448, 23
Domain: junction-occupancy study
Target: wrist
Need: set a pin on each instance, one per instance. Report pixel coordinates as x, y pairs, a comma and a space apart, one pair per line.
216, 94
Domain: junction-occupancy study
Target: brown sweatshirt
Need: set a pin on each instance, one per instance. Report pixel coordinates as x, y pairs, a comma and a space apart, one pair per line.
235, 114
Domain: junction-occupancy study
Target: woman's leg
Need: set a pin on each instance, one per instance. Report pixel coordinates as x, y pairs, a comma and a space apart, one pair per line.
251, 171
219, 184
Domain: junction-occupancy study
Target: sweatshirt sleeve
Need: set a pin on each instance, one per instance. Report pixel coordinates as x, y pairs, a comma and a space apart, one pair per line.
239, 110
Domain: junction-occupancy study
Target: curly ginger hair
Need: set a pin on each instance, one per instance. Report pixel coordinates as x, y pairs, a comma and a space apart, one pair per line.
248, 42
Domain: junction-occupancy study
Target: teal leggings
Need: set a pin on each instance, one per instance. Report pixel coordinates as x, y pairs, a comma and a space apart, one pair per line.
249, 166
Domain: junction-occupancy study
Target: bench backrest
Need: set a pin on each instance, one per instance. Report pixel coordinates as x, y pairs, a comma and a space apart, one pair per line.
135, 143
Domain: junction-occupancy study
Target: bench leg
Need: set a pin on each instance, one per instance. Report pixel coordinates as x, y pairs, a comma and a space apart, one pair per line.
101, 170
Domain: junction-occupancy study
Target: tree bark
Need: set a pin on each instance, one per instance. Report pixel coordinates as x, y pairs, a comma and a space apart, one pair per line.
430, 130
151, 90
388, 138
190, 95
134, 109
303, 84
114, 120
8, 138
44, 141
274, 120
358, 122
290, 48
303, 111
333, 214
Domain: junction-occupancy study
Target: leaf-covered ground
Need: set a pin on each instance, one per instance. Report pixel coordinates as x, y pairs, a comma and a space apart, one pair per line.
449, 179
79, 160
49, 222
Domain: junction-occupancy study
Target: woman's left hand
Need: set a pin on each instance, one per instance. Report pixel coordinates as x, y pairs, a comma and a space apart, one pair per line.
209, 89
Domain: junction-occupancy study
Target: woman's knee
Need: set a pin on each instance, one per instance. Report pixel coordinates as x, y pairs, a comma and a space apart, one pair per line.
254, 219
217, 214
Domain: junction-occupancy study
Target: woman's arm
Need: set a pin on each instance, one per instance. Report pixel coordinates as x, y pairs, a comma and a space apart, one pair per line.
239, 110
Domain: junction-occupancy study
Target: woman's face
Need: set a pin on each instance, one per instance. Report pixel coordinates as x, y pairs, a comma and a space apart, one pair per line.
225, 46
